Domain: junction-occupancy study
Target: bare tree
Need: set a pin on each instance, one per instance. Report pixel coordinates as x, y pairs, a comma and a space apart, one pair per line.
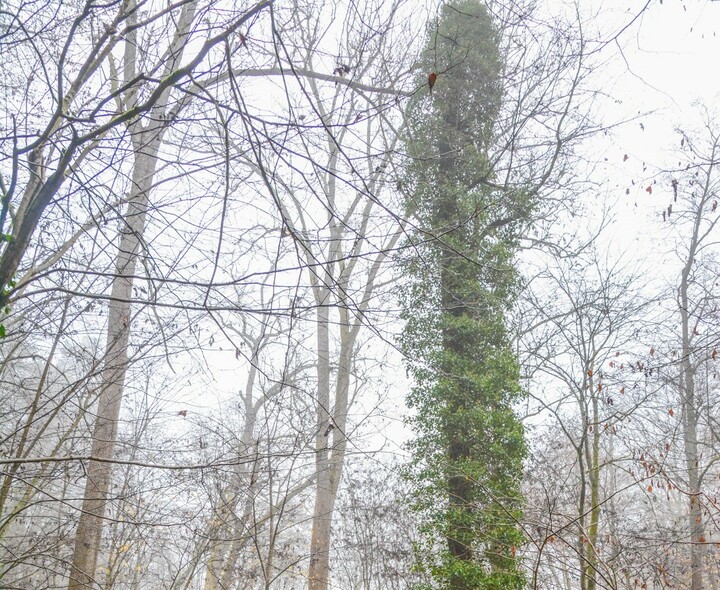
578, 318
695, 217
334, 182
60, 146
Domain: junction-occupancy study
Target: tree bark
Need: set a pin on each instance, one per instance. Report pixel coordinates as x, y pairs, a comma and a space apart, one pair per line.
97, 486
594, 476
331, 422
690, 420
318, 571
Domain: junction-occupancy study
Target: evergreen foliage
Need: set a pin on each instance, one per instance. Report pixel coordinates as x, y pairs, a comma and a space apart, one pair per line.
469, 446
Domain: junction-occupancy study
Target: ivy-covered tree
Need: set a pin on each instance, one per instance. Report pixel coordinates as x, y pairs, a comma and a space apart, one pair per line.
469, 445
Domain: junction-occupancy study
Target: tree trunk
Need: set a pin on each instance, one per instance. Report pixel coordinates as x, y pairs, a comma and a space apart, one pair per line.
690, 436
332, 426
594, 476
318, 571
146, 141
97, 486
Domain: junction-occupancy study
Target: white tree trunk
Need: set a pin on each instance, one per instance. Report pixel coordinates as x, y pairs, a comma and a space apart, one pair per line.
690, 421
146, 140
97, 486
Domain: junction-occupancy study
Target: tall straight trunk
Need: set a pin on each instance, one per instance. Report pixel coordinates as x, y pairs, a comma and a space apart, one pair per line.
104, 436
582, 498
319, 569
332, 287
689, 424
146, 141
331, 424
594, 476
326, 483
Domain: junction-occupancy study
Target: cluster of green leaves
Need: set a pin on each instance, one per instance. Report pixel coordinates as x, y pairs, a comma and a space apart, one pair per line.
6, 310
469, 445
7, 289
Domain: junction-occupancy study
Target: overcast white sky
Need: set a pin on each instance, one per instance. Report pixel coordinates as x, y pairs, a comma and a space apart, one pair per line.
653, 77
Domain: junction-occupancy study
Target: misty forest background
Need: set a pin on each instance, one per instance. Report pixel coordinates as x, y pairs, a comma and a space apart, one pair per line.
376, 295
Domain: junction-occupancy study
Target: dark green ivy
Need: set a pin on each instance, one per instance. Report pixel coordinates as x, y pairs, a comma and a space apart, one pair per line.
469, 447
